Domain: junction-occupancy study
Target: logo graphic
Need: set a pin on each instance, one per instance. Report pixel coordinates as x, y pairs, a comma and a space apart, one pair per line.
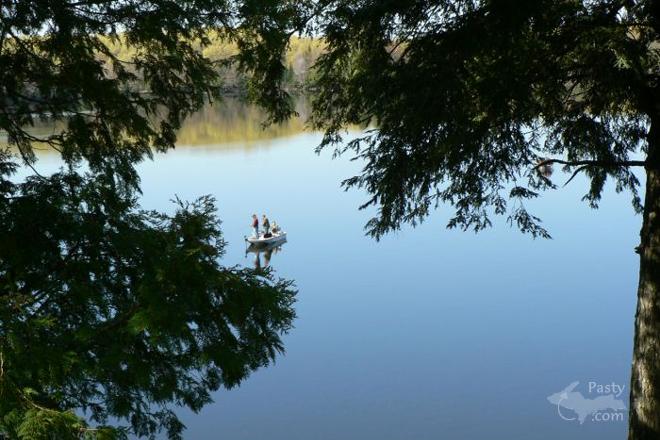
605, 407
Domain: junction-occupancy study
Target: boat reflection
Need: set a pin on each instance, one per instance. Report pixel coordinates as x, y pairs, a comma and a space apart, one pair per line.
266, 250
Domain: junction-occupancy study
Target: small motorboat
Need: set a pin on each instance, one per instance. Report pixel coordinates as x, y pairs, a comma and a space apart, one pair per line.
262, 240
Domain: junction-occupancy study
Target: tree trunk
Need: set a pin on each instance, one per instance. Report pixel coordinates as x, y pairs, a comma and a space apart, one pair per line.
645, 380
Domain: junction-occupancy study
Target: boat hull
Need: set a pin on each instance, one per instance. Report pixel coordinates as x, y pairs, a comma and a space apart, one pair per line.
261, 241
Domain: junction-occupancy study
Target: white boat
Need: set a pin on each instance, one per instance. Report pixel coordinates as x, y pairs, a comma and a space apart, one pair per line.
279, 237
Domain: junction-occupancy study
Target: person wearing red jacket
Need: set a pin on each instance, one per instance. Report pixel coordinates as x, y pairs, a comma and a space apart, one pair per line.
255, 225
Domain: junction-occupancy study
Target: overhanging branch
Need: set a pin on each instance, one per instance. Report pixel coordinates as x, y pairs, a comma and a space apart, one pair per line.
584, 164
593, 163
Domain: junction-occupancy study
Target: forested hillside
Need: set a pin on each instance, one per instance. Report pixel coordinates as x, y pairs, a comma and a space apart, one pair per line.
299, 61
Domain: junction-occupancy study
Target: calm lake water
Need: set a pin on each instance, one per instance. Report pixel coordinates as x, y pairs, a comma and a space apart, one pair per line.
428, 334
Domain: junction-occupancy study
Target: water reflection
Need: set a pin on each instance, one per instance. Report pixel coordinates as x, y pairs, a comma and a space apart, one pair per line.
267, 251
236, 124
227, 124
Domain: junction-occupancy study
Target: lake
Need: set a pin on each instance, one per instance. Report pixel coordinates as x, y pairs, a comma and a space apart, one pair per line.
428, 334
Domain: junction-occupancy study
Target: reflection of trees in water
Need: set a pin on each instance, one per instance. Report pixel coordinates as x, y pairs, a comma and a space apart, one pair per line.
120, 312
231, 121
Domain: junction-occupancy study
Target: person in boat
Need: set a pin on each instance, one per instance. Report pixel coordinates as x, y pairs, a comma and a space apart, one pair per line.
255, 225
266, 225
275, 229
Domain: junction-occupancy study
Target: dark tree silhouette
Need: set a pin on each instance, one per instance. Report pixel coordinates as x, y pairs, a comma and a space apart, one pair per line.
473, 99
107, 310
119, 312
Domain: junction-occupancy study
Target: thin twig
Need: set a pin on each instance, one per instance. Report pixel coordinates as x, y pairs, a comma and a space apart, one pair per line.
576, 173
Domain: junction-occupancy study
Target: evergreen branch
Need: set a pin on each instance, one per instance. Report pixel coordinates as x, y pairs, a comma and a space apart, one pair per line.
593, 163
584, 164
